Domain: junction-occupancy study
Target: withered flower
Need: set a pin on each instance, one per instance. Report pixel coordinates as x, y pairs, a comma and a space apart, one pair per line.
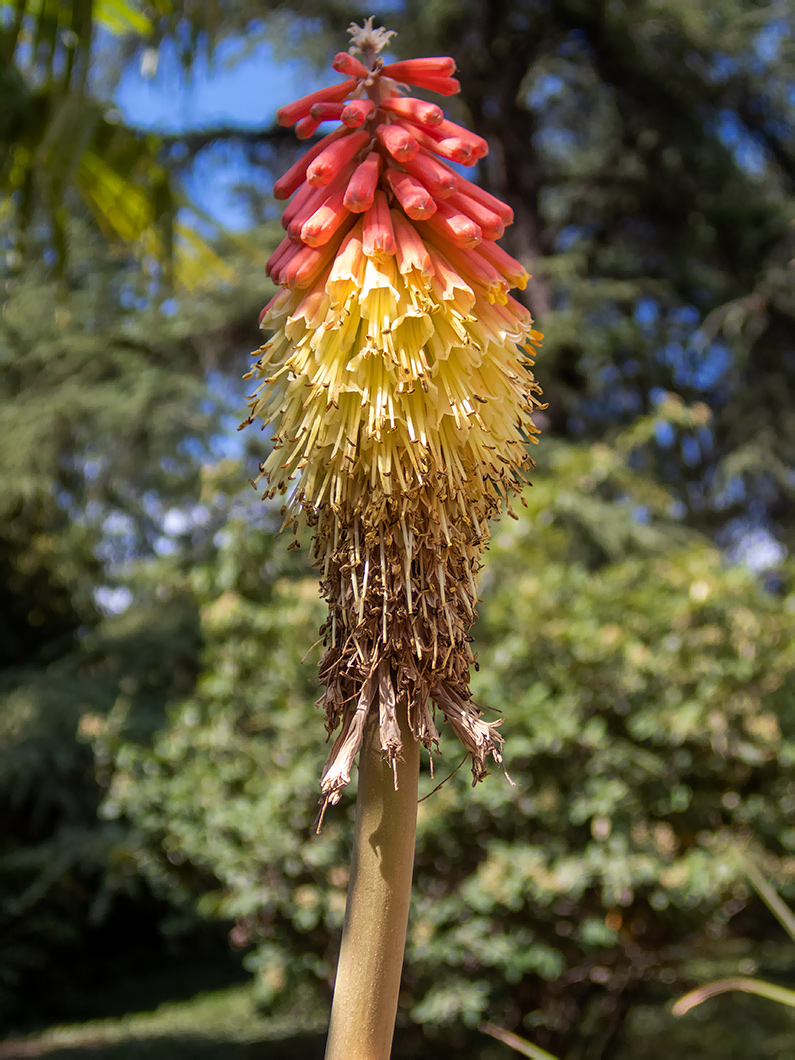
398, 382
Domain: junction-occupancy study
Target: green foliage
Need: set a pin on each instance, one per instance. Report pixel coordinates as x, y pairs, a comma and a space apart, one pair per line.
649, 728
62, 148
646, 682
99, 400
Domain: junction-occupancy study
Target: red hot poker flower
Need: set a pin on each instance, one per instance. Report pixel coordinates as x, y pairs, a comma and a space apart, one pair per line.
398, 383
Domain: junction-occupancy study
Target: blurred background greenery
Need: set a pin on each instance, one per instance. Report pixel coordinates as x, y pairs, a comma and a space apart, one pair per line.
159, 748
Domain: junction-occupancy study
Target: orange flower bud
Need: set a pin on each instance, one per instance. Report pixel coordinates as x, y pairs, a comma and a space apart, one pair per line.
302, 269
489, 222
274, 261
440, 181
411, 251
361, 189
299, 219
455, 226
314, 202
475, 269
306, 127
357, 112
415, 199
398, 141
452, 147
442, 86
293, 112
413, 109
378, 235
325, 221
327, 111
296, 174
329, 163
302, 196
287, 254
491, 202
345, 63
513, 271
447, 129
417, 71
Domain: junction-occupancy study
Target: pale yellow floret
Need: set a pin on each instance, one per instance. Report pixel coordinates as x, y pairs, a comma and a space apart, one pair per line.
385, 376
401, 404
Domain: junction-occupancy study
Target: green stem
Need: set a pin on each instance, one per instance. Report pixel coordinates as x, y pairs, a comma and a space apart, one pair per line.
379, 893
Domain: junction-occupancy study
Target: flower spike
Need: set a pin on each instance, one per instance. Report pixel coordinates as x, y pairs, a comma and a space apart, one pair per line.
398, 381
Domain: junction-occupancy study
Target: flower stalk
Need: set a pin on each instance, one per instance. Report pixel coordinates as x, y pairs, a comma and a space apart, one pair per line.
379, 895
398, 383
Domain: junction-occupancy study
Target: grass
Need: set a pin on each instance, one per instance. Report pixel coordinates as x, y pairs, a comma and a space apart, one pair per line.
224, 1024
210, 1026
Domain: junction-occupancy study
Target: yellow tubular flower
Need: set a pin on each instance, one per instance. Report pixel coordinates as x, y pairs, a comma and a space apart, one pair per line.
397, 380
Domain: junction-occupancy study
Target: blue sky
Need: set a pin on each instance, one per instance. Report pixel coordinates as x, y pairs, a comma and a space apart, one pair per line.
235, 88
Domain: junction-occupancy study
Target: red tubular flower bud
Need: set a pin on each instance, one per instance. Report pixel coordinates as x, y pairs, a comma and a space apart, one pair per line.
489, 222
413, 109
274, 261
447, 129
306, 127
304, 193
415, 199
304, 262
284, 260
345, 63
440, 181
327, 111
513, 271
303, 268
328, 164
452, 147
410, 69
411, 251
443, 86
293, 112
299, 219
491, 202
313, 203
325, 221
456, 227
456, 150
475, 269
378, 235
362, 185
400, 143
357, 112
296, 174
